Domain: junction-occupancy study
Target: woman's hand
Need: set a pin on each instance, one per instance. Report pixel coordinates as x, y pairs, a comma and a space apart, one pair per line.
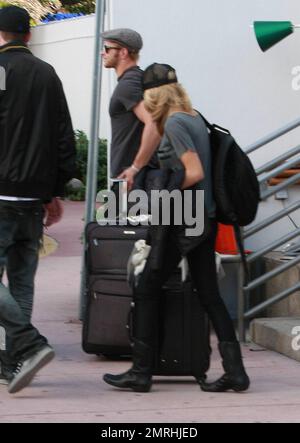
193, 169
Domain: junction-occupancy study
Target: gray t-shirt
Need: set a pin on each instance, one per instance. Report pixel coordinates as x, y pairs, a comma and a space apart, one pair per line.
127, 129
184, 132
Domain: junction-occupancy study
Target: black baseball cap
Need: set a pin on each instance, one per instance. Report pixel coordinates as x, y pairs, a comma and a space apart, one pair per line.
158, 74
14, 19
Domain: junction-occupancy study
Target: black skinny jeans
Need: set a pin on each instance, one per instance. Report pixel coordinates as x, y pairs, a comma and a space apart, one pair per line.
202, 265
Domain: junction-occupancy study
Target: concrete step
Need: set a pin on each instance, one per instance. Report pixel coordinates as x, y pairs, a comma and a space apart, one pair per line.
278, 334
290, 306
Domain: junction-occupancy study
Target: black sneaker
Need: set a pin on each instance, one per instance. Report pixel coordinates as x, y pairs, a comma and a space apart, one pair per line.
3, 379
6, 375
27, 369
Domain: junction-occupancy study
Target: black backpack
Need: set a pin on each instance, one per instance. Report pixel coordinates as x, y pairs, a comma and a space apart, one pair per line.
235, 186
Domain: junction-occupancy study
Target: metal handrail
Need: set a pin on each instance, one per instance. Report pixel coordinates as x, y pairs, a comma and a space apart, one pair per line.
273, 136
271, 169
278, 160
287, 182
275, 299
279, 169
266, 277
281, 241
270, 220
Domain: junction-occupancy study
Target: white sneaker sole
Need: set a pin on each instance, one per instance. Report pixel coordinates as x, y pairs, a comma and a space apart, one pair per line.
23, 379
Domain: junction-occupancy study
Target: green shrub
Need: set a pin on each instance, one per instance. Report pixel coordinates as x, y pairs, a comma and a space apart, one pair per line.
84, 6
82, 145
77, 195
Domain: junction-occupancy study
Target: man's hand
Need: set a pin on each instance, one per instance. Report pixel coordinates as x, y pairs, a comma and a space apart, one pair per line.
54, 212
128, 175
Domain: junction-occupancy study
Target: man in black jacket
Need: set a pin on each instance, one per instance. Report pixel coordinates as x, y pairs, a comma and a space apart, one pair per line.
37, 158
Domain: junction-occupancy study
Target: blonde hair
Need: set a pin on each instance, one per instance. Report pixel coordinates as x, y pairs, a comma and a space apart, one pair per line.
160, 101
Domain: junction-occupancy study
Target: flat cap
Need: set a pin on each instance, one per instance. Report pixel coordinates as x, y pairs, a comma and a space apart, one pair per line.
14, 19
125, 37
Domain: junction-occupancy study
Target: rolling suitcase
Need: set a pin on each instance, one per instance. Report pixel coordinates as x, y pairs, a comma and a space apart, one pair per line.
182, 344
105, 325
183, 340
109, 247
109, 296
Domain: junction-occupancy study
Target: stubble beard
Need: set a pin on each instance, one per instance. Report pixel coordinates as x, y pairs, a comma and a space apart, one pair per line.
111, 63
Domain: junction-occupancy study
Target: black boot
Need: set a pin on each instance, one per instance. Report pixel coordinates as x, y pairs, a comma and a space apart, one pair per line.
139, 377
235, 376
144, 327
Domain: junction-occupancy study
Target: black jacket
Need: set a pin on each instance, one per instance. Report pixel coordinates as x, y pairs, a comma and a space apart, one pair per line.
37, 147
160, 235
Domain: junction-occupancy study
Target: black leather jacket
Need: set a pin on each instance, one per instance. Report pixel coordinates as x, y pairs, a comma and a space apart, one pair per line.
37, 147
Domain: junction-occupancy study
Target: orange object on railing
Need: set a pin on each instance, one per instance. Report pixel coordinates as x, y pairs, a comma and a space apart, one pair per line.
226, 242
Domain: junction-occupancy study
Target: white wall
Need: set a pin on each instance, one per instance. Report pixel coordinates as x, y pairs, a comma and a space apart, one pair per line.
214, 50
69, 47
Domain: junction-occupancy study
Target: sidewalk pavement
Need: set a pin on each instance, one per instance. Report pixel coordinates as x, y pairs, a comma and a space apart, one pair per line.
70, 389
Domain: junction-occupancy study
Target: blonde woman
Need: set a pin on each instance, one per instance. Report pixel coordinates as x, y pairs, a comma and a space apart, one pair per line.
184, 147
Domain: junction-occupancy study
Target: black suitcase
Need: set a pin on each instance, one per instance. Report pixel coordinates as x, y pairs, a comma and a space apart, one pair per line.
183, 330
109, 296
183, 341
105, 329
109, 247
182, 346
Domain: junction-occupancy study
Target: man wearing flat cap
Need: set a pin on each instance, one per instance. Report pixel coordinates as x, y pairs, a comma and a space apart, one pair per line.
37, 158
134, 135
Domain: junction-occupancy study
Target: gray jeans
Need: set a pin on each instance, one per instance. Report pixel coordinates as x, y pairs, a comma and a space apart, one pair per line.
21, 228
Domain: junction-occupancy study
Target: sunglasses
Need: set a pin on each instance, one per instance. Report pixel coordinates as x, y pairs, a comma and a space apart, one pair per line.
108, 48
